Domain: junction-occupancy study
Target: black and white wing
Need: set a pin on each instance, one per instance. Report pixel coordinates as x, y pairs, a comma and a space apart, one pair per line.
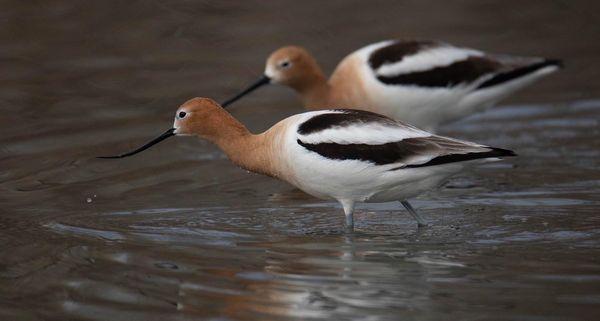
370, 138
432, 64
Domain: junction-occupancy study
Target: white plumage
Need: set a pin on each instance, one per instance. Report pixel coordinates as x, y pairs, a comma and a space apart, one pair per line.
343, 157
360, 133
425, 60
433, 83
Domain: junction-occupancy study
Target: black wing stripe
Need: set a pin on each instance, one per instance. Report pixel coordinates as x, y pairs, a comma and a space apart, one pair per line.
340, 118
396, 51
464, 71
377, 154
518, 72
453, 158
395, 152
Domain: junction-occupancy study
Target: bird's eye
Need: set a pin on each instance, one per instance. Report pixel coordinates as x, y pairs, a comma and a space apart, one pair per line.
285, 64
181, 114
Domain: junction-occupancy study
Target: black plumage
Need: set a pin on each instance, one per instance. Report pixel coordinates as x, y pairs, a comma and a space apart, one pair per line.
489, 70
343, 117
460, 72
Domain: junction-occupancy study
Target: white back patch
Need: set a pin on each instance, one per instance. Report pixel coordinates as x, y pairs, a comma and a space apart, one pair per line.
427, 59
370, 133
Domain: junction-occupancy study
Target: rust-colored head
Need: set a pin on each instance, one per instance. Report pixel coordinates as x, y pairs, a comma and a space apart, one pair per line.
289, 66
199, 117
202, 117
292, 66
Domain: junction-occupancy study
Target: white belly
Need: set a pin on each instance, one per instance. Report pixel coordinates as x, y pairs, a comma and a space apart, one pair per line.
423, 108
360, 182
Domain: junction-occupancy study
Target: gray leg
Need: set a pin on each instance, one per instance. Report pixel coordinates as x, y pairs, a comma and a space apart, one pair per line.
413, 213
348, 206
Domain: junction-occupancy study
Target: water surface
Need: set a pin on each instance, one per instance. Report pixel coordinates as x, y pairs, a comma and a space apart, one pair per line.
178, 233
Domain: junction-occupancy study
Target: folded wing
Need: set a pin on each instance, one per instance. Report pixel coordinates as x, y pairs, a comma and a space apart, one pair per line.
440, 65
375, 139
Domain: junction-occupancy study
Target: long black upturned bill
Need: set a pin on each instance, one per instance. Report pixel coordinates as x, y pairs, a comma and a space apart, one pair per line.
155, 141
262, 81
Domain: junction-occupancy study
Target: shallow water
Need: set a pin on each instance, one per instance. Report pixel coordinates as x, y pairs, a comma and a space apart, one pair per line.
178, 233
